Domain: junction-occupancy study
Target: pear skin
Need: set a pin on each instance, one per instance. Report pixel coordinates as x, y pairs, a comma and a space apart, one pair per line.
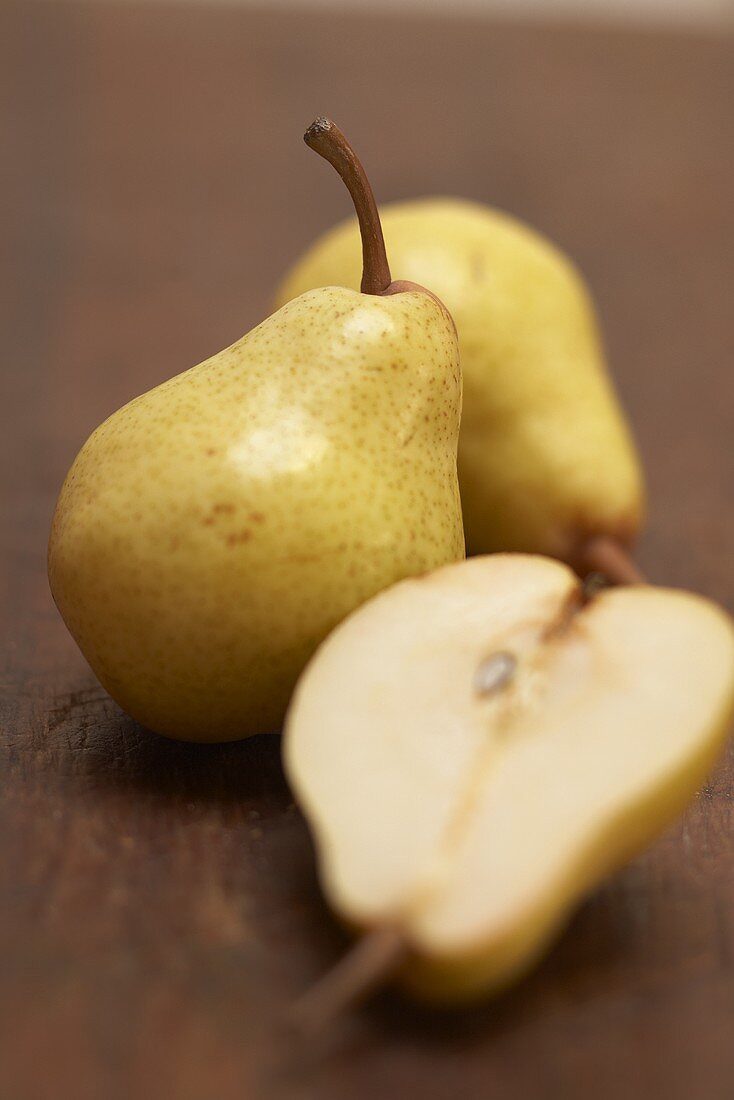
214, 530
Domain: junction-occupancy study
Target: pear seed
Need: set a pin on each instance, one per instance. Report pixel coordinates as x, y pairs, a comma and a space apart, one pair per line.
494, 673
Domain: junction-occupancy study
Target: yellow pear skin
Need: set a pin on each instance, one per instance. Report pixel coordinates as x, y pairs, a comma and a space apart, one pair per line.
546, 462
212, 532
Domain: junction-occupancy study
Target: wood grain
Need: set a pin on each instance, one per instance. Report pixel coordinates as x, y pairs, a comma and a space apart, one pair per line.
159, 909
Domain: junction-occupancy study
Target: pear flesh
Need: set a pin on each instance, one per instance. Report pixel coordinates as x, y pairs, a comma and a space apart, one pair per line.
546, 461
213, 531
477, 748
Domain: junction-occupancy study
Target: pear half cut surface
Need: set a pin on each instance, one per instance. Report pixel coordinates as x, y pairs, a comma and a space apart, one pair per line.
477, 748
213, 531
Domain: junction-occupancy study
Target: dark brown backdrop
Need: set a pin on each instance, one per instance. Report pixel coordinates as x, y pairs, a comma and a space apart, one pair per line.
159, 906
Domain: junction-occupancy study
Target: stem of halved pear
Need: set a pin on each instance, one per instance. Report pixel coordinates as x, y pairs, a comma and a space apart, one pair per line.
326, 139
605, 555
370, 962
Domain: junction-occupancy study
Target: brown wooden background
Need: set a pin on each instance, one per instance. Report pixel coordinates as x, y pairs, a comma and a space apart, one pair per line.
159, 908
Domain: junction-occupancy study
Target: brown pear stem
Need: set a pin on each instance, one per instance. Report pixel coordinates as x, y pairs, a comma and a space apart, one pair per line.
370, 962
607, 556
326, 139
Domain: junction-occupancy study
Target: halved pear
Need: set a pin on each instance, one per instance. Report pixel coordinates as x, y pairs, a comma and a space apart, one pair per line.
477, 748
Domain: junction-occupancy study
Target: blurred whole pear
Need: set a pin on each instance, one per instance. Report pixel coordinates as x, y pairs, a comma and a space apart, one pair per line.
212, 532
546, 463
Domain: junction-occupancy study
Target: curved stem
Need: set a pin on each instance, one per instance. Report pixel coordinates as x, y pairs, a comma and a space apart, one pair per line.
371, 961
326, 139
609, 557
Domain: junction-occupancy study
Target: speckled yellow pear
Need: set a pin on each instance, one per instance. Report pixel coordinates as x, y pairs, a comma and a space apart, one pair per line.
477, 748
546, 462
213, 531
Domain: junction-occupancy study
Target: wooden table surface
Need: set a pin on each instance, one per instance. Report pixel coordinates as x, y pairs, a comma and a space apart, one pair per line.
159, 906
